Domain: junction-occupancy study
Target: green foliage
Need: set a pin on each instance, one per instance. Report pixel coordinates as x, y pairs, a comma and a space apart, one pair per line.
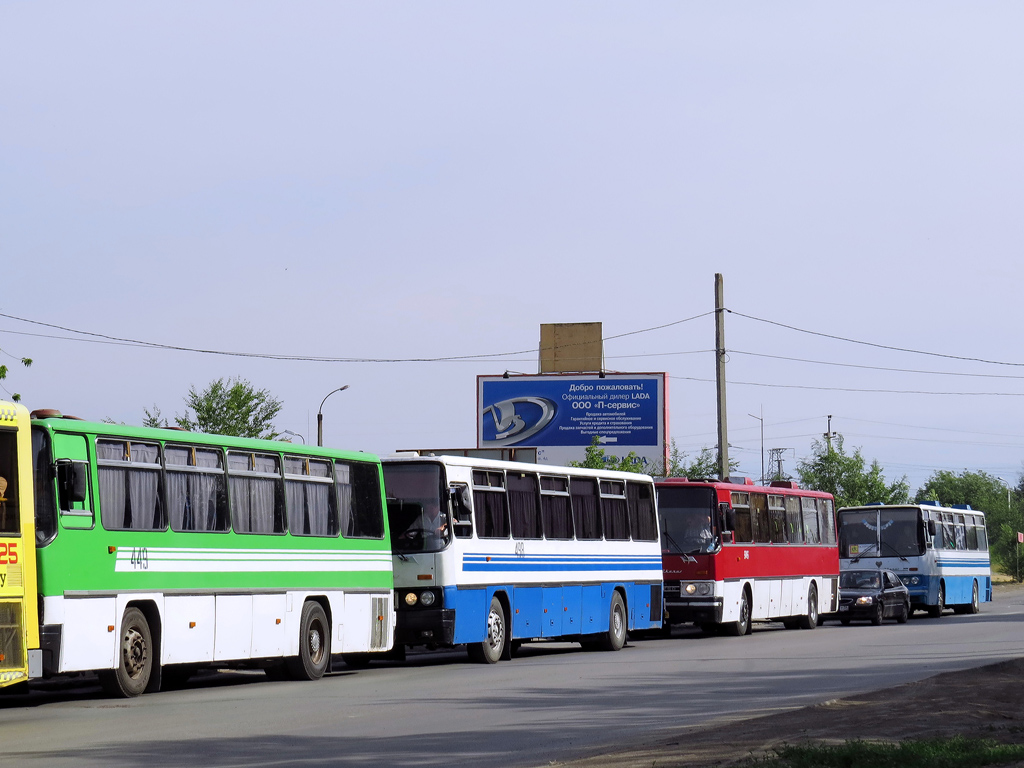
228, 407
953, 752
1003, 513
848, 478
595, 458
154, 418
704, 465
25, 361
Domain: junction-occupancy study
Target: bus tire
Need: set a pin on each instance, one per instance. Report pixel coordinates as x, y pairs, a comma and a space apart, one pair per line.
741, 626
975, 606
492, 648
615, 637
314, 644
934, 611
810, 621
135, 657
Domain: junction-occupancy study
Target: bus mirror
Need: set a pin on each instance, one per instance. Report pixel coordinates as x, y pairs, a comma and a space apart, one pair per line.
71, 482
931, 528
462, 504
725, 517
727, 537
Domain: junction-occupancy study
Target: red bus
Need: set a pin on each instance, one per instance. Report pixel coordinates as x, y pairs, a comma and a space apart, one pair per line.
734, 552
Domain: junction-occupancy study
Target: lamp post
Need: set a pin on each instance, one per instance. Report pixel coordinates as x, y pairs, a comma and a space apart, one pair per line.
760, 419
320, 415
293, 434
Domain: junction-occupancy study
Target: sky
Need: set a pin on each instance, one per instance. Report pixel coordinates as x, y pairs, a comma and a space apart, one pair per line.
373, 182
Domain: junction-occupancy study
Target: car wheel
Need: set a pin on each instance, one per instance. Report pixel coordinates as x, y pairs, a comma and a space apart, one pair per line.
904, 613
878, 614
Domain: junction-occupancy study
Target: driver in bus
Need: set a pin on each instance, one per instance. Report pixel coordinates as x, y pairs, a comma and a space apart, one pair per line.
699, 532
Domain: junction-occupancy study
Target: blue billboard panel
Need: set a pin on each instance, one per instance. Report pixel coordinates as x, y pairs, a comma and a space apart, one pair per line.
570, 410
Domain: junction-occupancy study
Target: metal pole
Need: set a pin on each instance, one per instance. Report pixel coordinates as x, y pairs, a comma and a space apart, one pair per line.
723, 436
320, 415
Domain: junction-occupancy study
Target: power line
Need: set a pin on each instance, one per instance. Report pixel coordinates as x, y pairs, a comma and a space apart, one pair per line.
871, 343
876, 367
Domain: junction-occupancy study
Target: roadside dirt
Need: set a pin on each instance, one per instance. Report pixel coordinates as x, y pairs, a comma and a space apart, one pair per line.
977, 703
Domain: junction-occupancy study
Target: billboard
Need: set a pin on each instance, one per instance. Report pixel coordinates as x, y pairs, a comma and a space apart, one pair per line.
560, 414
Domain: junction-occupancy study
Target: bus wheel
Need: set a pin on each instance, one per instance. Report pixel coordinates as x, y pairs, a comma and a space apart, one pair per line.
314, 644
975, 600
491, 649
135, 662
615, 638
741, 626
934, 611
810, 621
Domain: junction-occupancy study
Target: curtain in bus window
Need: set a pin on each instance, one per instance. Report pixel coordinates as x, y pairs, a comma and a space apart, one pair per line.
743, 529
777, 519
557, 516
491, 515
615, 518
180, 510
143, 494
642, 519
810, 510
523, 506
584, 508
948, 538
261, 505
794, 521
113, 498
826, 521
759, 515
369, 513
298, 507
982, 538
972, 534
959, 533
46, 501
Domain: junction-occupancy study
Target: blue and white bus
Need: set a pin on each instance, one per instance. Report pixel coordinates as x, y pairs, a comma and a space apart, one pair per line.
940, 553
492, 554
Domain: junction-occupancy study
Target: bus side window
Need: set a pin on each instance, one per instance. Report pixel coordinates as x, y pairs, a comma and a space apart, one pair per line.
742, 525
794, 521
759, 516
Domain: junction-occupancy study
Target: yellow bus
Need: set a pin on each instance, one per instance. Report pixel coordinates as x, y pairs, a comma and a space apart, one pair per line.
20, 654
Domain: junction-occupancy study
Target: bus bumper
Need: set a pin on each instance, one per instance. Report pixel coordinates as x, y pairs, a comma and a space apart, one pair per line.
703, 610
425, 627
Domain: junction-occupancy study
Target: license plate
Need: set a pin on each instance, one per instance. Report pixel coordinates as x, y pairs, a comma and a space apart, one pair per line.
844, 607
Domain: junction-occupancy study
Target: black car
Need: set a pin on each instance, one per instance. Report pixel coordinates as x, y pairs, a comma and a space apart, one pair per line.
874, 595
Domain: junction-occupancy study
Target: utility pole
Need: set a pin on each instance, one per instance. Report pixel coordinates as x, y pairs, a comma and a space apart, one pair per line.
761, 419
723, 433
829, 434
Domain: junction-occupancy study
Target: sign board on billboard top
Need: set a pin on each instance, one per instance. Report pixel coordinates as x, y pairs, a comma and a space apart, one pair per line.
564, 412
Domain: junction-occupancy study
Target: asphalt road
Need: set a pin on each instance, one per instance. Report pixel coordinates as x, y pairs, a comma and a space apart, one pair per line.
551, 702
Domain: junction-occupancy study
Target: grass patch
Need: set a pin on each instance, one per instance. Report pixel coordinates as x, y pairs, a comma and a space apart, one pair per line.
955, 752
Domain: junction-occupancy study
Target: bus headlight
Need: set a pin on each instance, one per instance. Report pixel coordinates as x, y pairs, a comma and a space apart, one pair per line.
426, 598
410, 598
691, 588
865, 600
915, 580
704, 589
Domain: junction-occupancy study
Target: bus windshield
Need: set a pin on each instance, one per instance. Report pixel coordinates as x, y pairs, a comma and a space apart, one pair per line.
418, 514
884, 532
687, 520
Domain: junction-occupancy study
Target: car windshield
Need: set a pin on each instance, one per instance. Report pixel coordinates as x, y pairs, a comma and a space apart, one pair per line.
860, 580
686, 520
418, 516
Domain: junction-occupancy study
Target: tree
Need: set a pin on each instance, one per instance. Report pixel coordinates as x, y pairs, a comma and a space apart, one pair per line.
595, 458
984, 492
25, 361
705, 465
227, 407
846, 477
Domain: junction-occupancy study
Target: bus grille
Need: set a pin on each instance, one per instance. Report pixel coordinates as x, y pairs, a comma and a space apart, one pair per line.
379, 633
11, 636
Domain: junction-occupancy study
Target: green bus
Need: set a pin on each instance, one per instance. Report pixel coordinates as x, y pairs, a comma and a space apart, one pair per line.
160, 551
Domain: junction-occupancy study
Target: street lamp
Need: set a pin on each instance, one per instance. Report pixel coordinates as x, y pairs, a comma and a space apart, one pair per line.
293, 434
320, 415
760, 419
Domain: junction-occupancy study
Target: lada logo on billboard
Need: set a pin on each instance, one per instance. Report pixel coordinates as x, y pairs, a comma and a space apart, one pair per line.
517, 419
